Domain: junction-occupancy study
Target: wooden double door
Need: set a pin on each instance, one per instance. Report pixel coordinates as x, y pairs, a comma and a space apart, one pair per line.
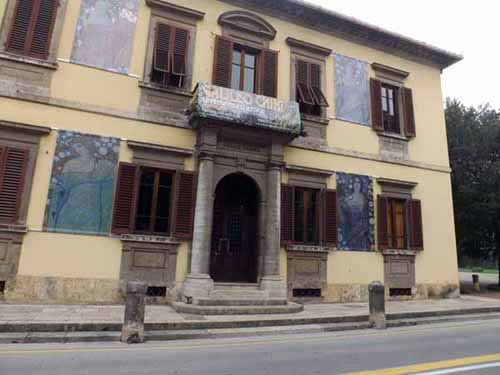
234, 246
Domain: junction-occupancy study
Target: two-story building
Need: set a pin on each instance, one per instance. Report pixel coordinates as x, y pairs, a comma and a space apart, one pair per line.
219, 150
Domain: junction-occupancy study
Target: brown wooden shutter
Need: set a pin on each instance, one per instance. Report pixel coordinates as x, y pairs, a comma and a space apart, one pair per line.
330, 217
13, 165
32, 27
161, 59
179, 55
223, 59
382, 225
125, 198
185, 195
416, 230
376, 104
315, 83
269, 73
287, 214
303, 89
408, 113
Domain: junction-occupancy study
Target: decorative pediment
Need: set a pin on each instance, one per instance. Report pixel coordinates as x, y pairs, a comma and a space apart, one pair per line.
248, 22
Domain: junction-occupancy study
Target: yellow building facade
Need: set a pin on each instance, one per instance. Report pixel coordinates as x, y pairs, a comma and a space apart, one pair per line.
281, 149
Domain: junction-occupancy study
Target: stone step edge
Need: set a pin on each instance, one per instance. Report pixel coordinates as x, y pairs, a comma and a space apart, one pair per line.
240, 302
232, 323
290, 308
177, 335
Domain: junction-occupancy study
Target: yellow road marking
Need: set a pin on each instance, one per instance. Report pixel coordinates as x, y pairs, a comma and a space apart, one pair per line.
432, 366
288, 340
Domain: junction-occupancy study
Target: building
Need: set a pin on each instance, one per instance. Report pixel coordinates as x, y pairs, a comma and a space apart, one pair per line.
216, 148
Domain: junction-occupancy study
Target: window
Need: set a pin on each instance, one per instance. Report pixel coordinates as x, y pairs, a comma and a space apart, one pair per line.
154, 201
145, 202
309, 93
170, 56
244, 68
390, 108
13, 168
396, 223
31, 28
306, 215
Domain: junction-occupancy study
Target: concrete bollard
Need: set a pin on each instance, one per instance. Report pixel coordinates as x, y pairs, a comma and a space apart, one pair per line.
377, 305
133, 321
475, 283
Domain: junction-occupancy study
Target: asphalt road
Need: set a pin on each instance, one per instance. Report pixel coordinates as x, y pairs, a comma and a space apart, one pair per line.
460, 345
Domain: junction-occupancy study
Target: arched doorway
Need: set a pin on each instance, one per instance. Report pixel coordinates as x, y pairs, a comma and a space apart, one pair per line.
234, 245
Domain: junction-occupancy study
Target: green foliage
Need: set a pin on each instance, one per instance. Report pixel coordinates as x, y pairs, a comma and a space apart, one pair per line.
474, 146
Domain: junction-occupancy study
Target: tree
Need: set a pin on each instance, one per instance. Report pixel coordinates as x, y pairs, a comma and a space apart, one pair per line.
474, 147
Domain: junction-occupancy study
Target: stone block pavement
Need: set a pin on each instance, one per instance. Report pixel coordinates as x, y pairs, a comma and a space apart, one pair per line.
81, 314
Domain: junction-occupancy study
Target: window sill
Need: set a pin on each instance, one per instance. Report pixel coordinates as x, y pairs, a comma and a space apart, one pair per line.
309, 248
394, 136
149, 239
46, 64
317, 119
13, 228
400, 252
167, 89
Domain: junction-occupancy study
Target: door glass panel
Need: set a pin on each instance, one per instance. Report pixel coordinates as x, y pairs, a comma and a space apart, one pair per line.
163, 203
144, 206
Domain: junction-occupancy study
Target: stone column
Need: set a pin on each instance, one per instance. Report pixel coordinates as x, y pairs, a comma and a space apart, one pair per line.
133, 320
271, 279
199, 283
377, 304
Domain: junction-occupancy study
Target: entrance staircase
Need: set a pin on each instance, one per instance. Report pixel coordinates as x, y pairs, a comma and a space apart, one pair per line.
238, 299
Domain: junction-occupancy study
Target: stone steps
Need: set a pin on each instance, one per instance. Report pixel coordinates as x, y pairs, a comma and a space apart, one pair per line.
289, 308
240, 302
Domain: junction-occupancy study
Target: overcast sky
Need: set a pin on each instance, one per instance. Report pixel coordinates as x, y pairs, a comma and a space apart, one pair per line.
471, 28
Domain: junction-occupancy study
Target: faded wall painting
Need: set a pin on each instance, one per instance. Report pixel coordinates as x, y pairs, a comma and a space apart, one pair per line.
82, 182
356, 213
105, 34
352, 92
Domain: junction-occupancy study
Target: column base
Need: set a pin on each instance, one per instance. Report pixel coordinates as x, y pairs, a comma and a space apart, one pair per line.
197, 286
275, 287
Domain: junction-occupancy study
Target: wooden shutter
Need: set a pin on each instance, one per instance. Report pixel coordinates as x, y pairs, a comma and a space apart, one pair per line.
416, 230
161, 55
408, 113
179, 55
269, 73
13, 165
287, 214
382, 225
32, 27
303, 88
330, 217
125, 199
182, 226
315, 84
223, 59
376, 104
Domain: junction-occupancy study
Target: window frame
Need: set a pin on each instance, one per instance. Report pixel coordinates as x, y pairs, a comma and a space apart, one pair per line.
7, 24
392, 120
319, 199
245, 50
391, 220
154, 201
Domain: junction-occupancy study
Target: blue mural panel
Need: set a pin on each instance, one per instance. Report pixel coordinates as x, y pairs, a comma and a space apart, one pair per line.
105, 34
82, 182
352, 91
356, 227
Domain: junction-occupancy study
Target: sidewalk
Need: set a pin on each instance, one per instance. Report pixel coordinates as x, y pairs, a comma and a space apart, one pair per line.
56, 323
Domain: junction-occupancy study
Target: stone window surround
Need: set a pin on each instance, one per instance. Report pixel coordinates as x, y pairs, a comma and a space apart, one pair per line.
398, 189
177, 16
308, 52
394, 77
51, 62
313, 178
247, 28
27, 137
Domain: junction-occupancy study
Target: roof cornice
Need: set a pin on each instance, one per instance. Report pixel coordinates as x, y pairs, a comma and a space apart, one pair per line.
329, 21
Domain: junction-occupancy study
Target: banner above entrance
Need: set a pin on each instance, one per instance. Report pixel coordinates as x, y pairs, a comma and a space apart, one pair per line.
223, 104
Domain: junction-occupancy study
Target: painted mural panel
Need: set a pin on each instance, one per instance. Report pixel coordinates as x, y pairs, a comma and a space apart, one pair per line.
82, 182
352, 92
356, 227
105, 34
